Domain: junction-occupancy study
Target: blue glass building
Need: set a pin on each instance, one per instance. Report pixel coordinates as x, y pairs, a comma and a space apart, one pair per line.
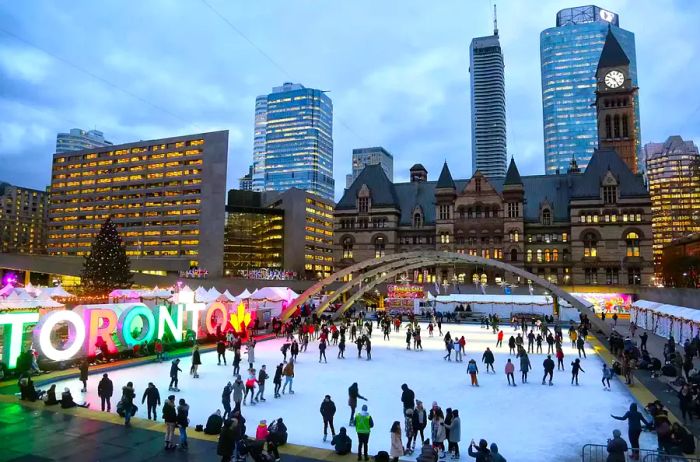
569, 55
296, 124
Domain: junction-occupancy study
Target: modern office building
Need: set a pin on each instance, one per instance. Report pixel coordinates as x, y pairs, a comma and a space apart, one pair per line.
488, 106
293, 146
363, 157
166, 197
78, 139
22, 219
245, 182
569, 57
673, 173
254, 235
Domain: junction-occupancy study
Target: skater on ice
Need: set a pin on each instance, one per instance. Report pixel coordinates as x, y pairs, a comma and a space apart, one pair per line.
575, 368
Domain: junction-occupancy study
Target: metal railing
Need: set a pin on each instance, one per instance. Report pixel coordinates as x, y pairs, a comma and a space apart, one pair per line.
599, 453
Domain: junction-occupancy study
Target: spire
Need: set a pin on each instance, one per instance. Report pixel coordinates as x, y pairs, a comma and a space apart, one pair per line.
495, 21
445, 180
612, 54
512, 175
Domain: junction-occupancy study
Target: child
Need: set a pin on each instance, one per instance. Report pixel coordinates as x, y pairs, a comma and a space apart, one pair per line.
261, 433
396, 450
473, 370
510, 368
607, 374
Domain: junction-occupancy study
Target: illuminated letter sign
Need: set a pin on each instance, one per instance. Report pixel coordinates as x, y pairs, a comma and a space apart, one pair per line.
14, 329
100, 322
165, 316
125, 325
213, 308
76, 337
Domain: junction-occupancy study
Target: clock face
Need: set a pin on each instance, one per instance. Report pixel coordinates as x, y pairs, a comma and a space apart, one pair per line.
614, 79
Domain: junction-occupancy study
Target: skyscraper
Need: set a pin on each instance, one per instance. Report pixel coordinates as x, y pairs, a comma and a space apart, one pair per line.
569, 55
363, 157
488, 105
78, 139
673, 170
22, 219
293, 144
245, 183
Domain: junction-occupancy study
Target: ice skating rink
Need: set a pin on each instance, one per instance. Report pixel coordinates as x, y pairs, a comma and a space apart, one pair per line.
529, 422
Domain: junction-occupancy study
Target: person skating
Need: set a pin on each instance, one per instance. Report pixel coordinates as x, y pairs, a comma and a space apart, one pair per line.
322, 351
83, 368
420, 420
386, 329
575, 368
397, 449
221, 351
459, 349
410, 431
607, 375
277, 379
251, 351
353, 395
359, 342
538, 342
238, 389
511, 345
226, 400
127, 400
449, 345
409, 334
560, 359
170, 419
363, 426
510, 369
368, 348
342, 442
196, 362
473, 371
573, 336
580, 347
262, 377
499, 341
250, 387
488, 359
548, 365
327, 412
438, 430
341, 348
288, 373
550, 344
439, 325
183, 420
525, 365
531, 342
105, 389
174, 369
151, 396
236, 361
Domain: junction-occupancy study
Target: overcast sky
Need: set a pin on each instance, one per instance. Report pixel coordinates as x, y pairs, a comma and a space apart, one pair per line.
397, 72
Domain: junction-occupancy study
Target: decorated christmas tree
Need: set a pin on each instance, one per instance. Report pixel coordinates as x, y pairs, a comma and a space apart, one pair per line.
107, 266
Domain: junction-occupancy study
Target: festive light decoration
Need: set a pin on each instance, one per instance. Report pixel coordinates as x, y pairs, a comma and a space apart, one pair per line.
76, 337
13, 332
240, 319
126, 321
106, 266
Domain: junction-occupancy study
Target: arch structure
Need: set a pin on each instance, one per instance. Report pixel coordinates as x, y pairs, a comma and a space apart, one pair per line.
369, 273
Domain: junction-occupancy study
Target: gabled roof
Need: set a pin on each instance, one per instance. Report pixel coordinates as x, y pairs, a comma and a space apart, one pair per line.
382, 191
512, 175
587, 184
612, 54
445, 180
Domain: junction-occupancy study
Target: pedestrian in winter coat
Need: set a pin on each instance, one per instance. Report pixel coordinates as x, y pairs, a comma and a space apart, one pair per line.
261, 432
84, 365
226, 400
396, 450
277, 380
238, 390
342, 442
327, 412
408, 398
495, 455
353, 395
105, 389
227, 441
634, 429
363, 426
183, 420
511, 345
221, 351
174, 369
288, 373
617, 447
509, 369
473, 371
170, 419
575, 368
262, 377
196, 362
152, 398
420, 420
251, 352
438, 432
481, 453
410, 432
580, 347
548, 365
455, 434
525, 366
214, 423
127, 400
499, 341
488, 359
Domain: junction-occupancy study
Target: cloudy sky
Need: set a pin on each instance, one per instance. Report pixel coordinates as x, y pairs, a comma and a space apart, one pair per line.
397, 72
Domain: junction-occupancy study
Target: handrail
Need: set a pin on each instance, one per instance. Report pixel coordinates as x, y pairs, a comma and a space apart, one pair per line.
599, 453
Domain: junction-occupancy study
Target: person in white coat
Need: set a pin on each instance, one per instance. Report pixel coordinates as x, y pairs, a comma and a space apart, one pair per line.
396, 450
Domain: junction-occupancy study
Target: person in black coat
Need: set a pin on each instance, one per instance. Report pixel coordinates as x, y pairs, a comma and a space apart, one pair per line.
221, 351
408, 398
152, 398
174, 369
342, 442
214, 423
277, 380
83, 367
105, 390
227, 441
327, 412
420, 419
634, 429
548, 365
51, 396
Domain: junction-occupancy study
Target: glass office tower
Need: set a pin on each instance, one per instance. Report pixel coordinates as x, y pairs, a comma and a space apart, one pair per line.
569, 55
298, 141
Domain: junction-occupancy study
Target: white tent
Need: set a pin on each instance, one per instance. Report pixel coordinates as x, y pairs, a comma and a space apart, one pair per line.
667, 320
502, 305
245, 295
201, 294
639, 313
213, 294
227, 295
6, 290
57, 291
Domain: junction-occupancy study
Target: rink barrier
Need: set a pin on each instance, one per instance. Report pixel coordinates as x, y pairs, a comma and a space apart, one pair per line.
599, 453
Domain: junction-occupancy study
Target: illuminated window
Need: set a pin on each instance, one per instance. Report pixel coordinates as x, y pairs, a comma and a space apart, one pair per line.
379, 247
590, 245
555, 255
632, 240
347, 248
529, 255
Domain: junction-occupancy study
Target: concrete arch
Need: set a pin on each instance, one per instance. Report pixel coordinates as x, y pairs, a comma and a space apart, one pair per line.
422, 258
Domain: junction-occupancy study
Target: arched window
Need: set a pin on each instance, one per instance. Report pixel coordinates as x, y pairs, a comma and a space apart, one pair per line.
555, 255
616, 125
529, 254
625, 127
632, 240
484, 278
514, 255
608, 127
546, 217
417, 220
590, 245
347, 248
547, 255
539, 255
379, 247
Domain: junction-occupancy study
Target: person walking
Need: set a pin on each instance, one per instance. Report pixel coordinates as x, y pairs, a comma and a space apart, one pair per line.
634, 428
455, 434
288, 373
221, 351
174, 369
396, 449
353, 395
607, 375
408, 398
473, 371
643, 338
363, 426
277, 379
170, 419
128, 395
262, 377
226, 400
548, 365
83, 368
575, 368
685, 401
580, 347
488, 359
151, 396
614, 318
105, 389
327, 413
420, 419
183, 420
510, 369
525, 365
196, 362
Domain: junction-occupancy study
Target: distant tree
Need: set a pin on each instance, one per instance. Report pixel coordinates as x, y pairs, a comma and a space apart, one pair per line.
107, 266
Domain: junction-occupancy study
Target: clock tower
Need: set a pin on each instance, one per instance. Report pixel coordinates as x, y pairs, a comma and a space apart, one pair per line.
615, 102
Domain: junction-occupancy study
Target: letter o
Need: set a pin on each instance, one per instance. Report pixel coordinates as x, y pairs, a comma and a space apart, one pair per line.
77, 333
127, 318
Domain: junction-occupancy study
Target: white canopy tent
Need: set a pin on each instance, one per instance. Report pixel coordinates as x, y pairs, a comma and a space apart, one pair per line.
505, 305
245, 295
666, 320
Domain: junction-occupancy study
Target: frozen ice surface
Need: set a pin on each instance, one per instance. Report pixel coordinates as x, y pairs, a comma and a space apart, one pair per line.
529, 422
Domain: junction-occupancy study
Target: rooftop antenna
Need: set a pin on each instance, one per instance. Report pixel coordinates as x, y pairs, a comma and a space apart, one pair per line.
495, 21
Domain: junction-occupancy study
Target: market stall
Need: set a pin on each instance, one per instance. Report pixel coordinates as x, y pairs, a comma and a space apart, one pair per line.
666, 320
505, 305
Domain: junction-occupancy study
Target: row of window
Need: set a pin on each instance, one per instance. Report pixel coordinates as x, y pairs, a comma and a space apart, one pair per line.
612, 276
611, 217
590, 245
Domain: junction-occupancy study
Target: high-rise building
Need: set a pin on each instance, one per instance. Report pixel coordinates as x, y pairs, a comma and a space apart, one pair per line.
78, 139
673, 173
569, 56
488, 105
363, 157
293, 146
22, 219
245, 183
166, 197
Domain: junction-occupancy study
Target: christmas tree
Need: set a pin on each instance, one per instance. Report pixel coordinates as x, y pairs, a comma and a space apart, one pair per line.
107, 266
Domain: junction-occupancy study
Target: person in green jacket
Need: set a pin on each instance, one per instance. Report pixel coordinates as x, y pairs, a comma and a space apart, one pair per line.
363, 426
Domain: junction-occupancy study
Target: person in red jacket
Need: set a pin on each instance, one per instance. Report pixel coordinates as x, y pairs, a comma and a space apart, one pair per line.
500, 339
560, 359
510, 368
